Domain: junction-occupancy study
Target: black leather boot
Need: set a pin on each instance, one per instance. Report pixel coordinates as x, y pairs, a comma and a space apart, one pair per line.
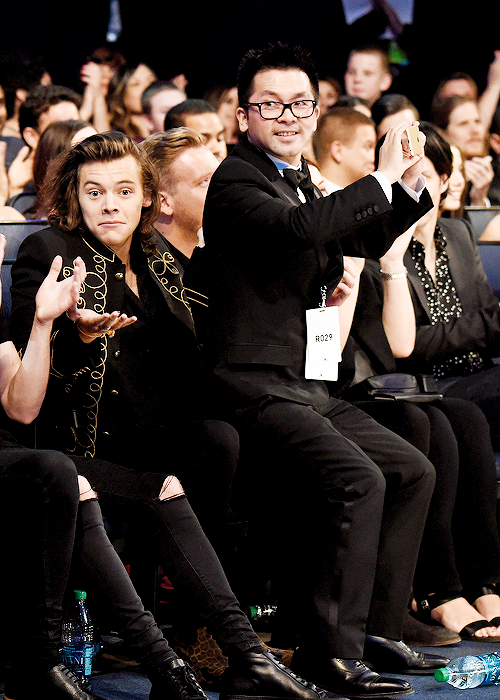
175, 680
260, 675
59, 683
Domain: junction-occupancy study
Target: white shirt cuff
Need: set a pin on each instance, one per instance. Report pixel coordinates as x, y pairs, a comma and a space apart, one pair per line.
384, 183
387, 187
414, 193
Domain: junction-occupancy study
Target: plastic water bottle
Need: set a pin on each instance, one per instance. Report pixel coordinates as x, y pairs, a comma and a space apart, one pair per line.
261, 616
78, 644
471, 671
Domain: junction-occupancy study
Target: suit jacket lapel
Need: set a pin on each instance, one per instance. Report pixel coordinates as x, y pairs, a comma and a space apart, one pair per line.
244, 149
165, 271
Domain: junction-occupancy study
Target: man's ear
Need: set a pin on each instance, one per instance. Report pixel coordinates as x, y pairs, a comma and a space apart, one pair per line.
336, 151
495, 143
31, 137
165, 205
242, 116
386, 82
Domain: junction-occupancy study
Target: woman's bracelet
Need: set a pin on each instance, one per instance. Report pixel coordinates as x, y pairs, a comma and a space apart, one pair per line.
394, 275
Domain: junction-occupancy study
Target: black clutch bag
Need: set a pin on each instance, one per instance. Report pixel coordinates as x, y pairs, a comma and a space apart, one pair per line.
396, 387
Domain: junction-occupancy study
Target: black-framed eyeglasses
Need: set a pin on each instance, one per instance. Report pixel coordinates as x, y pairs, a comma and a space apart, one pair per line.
301, 109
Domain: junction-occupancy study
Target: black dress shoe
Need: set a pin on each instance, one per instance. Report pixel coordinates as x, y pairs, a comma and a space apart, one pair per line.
349, 677
396, 657
175, 680
57, 684
260, 675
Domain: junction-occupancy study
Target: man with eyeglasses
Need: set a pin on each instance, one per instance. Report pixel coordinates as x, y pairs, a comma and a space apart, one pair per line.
352, 496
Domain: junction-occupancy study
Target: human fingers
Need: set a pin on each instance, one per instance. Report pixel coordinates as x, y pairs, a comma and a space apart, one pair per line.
351, 272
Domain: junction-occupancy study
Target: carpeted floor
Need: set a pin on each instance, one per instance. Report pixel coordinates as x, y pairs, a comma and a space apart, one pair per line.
126, 682
132, 685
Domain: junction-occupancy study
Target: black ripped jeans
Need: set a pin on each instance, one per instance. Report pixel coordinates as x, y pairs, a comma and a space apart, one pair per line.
47, 531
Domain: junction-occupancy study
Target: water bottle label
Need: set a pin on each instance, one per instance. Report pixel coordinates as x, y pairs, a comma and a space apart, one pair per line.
492, 667
79, 660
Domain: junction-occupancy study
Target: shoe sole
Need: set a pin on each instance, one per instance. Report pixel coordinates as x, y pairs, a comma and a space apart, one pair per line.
363, 696
444, 643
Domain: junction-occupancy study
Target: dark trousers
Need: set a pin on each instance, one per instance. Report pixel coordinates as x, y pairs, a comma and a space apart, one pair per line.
49, 534
483, 388
171, 530
459, 553
355, 497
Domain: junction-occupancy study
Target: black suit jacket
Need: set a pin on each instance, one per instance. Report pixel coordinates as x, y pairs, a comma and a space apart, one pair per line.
265, 260
478, 328
72, 418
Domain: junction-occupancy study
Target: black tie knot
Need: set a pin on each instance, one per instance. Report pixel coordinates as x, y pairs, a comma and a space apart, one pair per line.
300, 178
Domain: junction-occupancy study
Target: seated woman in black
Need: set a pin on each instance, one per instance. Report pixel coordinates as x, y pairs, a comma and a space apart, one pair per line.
459, 562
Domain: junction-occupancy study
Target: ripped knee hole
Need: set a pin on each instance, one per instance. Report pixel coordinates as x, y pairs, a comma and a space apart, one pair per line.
86, 490
172, 488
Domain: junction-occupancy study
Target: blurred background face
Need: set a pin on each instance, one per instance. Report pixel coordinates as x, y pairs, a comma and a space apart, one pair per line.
161, 103
210, 127
456, 183
405, 115
458, 86
365, 77
139, 81
191, 173
436, 184
328, 95
358, 157
61, 112
466, 131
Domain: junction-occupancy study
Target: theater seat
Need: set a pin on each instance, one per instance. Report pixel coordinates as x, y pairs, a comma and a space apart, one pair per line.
490, 257
479, 218
15, 232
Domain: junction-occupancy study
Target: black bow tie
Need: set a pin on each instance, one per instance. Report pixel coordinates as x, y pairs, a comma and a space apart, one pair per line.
300, 178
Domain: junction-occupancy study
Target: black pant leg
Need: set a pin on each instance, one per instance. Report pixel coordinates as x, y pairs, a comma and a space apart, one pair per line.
102, 568
332, 497
409, 479
475, 528
184, 551
39, 501
483, 388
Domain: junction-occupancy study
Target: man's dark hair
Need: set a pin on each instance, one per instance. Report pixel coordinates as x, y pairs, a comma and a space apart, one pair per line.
40, 100
59, 192
275, 56
175, 116
153, 89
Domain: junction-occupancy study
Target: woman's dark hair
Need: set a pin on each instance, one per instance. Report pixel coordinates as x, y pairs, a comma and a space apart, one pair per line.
437, 149
60, 190
120, 118
390, 104
275, 56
